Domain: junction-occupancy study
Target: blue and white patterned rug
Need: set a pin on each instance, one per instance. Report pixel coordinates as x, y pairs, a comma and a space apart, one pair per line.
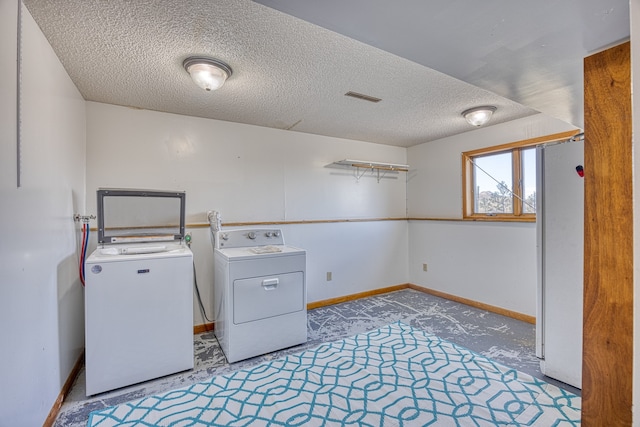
392, 376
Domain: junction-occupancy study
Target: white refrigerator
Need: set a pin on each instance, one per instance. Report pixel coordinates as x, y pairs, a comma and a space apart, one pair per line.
560, 241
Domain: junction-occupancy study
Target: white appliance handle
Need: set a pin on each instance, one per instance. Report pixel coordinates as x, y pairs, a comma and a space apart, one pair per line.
270, 284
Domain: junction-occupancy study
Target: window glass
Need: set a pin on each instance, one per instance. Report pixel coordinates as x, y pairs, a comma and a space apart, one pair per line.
493, 181
499, 182
529, 181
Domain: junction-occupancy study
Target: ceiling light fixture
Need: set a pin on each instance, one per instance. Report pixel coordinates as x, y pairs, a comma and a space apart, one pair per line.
208, 73
479, 116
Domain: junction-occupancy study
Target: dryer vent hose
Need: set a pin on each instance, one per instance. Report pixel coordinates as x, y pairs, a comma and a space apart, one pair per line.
215, 220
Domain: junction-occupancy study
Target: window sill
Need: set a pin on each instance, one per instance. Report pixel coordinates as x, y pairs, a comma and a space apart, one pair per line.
500, 218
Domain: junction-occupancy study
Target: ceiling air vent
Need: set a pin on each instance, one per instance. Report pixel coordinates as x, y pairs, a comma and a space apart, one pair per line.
362, 96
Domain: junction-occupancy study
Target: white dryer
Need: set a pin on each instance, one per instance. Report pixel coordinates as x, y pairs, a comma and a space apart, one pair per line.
260, 295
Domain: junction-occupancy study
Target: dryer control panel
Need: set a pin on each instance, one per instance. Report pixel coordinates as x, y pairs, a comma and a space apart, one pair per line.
249, 237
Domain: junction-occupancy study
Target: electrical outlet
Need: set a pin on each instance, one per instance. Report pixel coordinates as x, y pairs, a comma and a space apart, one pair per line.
424, 267
329, 276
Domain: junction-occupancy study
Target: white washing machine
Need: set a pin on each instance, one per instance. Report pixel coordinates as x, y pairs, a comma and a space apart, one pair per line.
138, 314
260, 295
138, 291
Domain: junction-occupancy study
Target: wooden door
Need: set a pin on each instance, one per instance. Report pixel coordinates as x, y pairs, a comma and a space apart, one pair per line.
607, 372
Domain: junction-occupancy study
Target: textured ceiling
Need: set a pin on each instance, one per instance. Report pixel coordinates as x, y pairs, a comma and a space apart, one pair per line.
288, 73
528, 51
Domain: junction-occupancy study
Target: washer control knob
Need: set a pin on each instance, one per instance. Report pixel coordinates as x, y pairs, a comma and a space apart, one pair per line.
251, 235
276, 234
268, 234
224, 236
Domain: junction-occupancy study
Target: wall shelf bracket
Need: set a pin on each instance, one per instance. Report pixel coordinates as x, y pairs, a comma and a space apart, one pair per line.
380, 169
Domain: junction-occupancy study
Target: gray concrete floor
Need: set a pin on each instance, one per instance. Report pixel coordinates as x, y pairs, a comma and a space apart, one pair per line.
508, 341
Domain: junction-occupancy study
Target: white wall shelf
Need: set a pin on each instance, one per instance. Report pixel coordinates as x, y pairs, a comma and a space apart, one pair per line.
363, 166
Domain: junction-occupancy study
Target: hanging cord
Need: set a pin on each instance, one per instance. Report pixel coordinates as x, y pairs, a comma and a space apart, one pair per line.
195, 284
84, 244
83, 250
81, 261
501, 185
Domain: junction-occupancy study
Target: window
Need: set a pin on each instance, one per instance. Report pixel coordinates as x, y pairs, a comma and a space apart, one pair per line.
500, 182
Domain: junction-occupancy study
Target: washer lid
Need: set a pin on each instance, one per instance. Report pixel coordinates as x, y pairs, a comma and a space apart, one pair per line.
234, 254
129, 216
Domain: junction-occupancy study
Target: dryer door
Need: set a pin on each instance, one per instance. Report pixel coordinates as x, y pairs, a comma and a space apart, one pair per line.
258, 298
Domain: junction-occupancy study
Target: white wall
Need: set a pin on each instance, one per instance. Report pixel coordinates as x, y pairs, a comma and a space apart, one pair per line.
251, 173
494, 263
248, 173
41, 299
361, 256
